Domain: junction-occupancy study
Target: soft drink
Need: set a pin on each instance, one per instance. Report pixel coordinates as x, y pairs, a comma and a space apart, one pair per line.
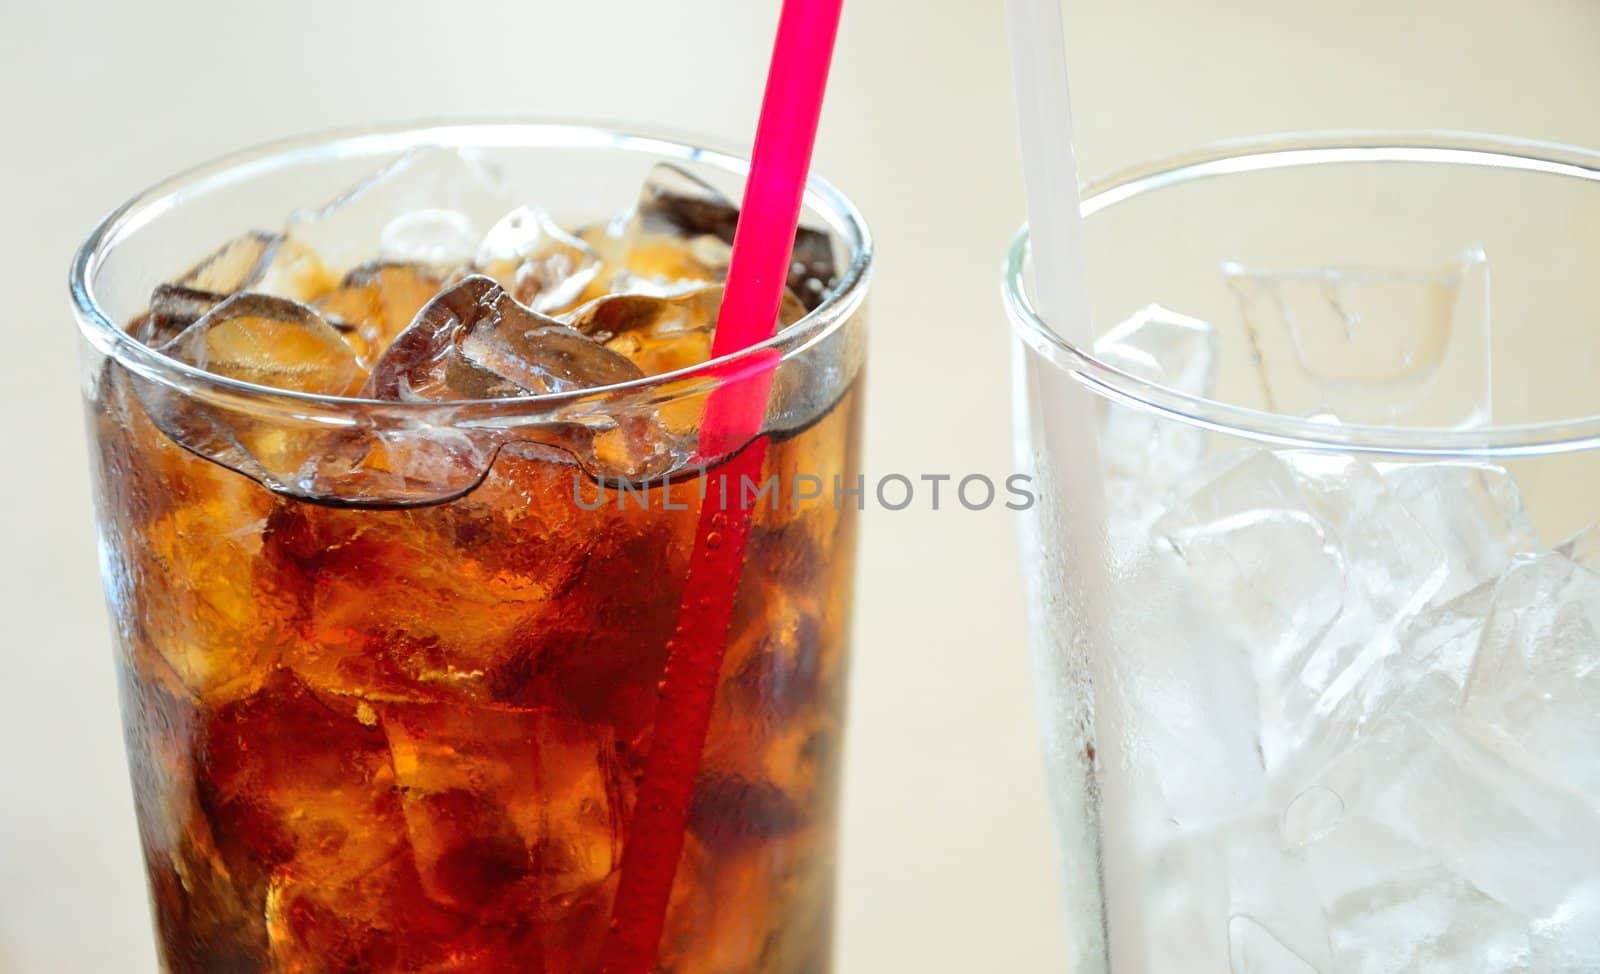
389, 684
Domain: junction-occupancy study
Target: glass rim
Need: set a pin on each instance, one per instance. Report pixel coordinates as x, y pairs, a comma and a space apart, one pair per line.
390, 139
1283, 151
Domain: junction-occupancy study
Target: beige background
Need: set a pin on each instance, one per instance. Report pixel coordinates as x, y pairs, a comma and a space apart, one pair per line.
948, 860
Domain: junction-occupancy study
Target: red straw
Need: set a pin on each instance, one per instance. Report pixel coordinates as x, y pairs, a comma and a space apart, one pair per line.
762, 247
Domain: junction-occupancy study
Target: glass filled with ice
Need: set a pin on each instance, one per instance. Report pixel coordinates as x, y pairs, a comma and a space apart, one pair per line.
397, 470
1315, 573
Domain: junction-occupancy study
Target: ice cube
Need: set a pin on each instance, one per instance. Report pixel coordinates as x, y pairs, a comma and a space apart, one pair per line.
376, 302
474, 341
1186, 910
268, 341
1391, 566
298, 782
1534, 690
780, 654
1391, 570
1272, 887
1379, 571
426, 362
546, 358
295, 272
1339, 595
1230, 893
1358, 854
681, 231
1270, 572
1517, 839
1472, 511
1372, 345
1416, 791
173, 308
1441, 641
430, 204
1182, 350
731, 813
441, 238
1191, 700
388, 591
235, 266
217, 629
1393, 908
681, 227
1583, 548
1310, 815
1255, 950
1428, 920
662, 334
500, 798
266, 263
613, 315
320, 924
1419, 675
537, 262
1567, 941
676, 202
272, 342
1145, 455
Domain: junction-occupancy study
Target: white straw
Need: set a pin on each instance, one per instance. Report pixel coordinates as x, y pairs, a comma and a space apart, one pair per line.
1044, 116
1071, 543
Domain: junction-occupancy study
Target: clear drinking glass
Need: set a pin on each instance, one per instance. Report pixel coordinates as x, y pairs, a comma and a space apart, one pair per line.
1314, 574
389, 669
